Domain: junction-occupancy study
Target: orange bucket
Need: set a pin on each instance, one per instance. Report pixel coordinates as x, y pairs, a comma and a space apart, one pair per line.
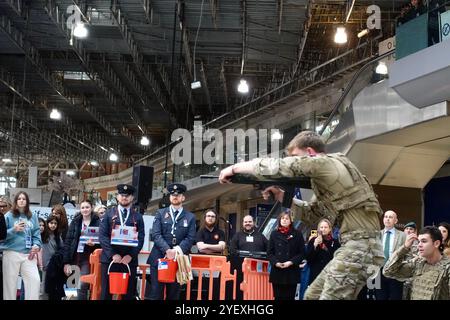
167, 270
118, 281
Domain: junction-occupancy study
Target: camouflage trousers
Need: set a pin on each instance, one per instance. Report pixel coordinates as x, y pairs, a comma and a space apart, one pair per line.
359, 257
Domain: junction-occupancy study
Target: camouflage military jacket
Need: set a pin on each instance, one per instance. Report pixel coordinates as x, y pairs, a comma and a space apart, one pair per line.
343, 193
429, 282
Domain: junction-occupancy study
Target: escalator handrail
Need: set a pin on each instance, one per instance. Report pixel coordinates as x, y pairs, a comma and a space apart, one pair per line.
350, 86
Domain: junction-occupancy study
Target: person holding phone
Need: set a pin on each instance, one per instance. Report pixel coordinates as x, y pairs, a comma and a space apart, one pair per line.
320, 249
22, 243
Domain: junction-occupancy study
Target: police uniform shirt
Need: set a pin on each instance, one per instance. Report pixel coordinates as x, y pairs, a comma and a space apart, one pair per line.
210, 237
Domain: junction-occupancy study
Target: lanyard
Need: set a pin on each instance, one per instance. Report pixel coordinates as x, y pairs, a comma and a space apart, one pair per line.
174, 218
122, 222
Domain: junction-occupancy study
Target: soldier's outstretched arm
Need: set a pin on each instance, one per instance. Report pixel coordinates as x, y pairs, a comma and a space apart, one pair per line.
398, 267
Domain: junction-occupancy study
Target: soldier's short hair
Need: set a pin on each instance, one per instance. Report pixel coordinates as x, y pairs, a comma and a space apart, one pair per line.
306, 139
434, 232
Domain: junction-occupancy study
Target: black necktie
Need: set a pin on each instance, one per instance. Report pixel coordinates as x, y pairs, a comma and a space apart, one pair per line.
124, 214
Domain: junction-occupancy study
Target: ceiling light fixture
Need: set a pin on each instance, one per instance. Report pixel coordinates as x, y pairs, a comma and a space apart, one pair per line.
381, 68
197, 84
362, 33
94, 163
7, 160
55, 114
80, 30
243, 86
341, 36
145, 141
113, 157
70, 172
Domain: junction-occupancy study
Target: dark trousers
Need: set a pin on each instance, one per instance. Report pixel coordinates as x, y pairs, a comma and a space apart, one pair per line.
131, 291
157, 288
391, 289
284, 291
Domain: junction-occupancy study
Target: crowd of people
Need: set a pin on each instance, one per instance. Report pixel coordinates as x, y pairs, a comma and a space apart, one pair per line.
409, 264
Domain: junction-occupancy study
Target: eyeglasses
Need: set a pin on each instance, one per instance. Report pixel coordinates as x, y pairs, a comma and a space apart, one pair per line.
209, 216
4, 206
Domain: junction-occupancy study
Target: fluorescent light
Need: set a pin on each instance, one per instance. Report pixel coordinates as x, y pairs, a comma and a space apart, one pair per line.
243, 86
1, 170
381, 68
196, 85
145, 141
55, 114
94, 163
80, 31
7, 160
113, 157
340, 36
70, 172
362, 33
103, 148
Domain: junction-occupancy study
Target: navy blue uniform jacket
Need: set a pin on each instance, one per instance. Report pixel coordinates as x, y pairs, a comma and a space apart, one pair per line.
110, 220
162, 237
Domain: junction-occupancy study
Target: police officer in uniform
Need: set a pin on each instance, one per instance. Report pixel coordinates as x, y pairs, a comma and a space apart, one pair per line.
173, 229
121, 216
344, 197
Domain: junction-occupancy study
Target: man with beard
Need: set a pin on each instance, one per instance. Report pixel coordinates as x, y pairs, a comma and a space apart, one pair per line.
249, 240
173, 230
117, 221
210, 239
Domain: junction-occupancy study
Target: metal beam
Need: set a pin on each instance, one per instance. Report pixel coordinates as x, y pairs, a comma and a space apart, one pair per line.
138, 58
205, 86
56, 16
223, 79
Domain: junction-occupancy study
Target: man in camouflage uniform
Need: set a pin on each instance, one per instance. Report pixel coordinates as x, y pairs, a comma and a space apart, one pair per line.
430, 271
344, 196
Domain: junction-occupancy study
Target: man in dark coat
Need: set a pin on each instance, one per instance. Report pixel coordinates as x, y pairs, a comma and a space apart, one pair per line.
173, 229
120, 218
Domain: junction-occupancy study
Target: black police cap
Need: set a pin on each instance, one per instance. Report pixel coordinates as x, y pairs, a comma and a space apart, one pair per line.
125, 189
176, 188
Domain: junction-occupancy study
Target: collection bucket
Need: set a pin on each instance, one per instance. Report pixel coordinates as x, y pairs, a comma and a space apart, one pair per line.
167, 270
118, 281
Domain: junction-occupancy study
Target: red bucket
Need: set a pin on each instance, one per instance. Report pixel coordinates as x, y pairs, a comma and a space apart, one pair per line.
118, 281
167, 270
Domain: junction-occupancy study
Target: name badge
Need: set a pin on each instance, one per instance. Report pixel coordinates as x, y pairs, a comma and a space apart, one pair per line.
249, 238
125, 236
28, 242
80, 248
185, 224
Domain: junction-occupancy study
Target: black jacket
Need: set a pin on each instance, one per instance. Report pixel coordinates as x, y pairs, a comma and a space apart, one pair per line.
3, 230
318, 258
282, 248
73, 237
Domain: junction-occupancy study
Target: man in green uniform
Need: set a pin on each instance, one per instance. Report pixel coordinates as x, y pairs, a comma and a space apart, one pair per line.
430, 272
344, 196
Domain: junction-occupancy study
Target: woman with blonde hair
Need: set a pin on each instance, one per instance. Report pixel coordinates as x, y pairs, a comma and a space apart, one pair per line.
321, 248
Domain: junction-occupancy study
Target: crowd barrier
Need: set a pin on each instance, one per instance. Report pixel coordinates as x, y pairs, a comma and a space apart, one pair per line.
95, 277
255, 284
211, 264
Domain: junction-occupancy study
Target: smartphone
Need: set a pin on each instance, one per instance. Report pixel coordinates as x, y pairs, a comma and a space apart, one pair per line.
314, 233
